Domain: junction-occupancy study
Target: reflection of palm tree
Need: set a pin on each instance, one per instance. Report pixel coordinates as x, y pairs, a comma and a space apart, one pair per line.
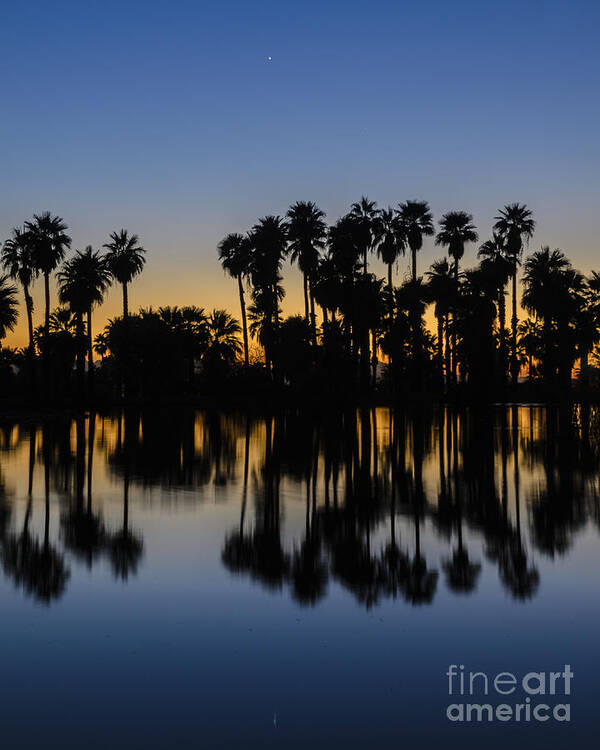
125, 547
84, 531
39, 569
461, 573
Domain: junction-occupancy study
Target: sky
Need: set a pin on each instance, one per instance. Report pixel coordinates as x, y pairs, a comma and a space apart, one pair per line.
182, 121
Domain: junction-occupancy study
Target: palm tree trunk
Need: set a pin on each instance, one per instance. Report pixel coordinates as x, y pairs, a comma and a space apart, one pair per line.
80, 355
244, 321
313, 317
47, 297
125, 301
447, 347
440, 352
90, 344
454, 352
513, 363
502, 324
29, 309
306, 297
414, 264
390, 285
325, 319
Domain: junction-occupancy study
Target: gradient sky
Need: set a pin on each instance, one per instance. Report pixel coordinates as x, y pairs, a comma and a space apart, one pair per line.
167, 118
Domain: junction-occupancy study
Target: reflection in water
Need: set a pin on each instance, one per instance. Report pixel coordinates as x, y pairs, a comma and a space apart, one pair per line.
389, 498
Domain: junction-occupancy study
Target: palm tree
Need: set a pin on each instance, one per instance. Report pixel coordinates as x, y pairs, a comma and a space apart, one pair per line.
49, 244
306, 236
493, 251
392, 241
125, 260
223, 342
514, 223
235, 256
18, 261
529, 343
442, 288
8, 306
269, 247
457, 229
368, 226
83, 281
552, 292
416, 222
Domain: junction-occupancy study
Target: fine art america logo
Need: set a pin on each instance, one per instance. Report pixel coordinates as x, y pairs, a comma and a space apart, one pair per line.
536, 696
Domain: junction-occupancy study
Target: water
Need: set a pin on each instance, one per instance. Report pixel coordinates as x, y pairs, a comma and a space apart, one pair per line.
190, 579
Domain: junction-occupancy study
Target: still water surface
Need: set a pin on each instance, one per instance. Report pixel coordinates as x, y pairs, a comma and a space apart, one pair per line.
200, 579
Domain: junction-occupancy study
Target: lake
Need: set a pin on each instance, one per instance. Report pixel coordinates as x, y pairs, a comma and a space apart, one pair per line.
186, 578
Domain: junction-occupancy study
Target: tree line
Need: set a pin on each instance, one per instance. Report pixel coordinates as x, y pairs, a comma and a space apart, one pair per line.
369, 337
367, 321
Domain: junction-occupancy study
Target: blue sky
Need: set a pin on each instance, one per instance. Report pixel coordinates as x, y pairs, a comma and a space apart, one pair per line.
169, 119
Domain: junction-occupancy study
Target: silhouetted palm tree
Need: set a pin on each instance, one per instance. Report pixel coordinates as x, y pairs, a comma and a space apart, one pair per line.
269, 247
8, 306
125, 260
366, 216
514, 223
416, 222
223, 343
457, 229
392, 241
49, 243
493, 251
235, 255
83, 281
306, 234
18, 261
529, 343
442, 288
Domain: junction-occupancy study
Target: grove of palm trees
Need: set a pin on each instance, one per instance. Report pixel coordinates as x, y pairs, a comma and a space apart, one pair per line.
438, 333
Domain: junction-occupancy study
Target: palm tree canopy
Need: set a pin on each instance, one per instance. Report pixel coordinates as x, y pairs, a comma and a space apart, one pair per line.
223, 342
514, 222
416, 221
235, 254
125, 258
8, 306
442, 285
457, 229
344, 245
269, 243
306, 232
553, 288
83, 280
17, 256
368, 225
49, 241
392, 239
